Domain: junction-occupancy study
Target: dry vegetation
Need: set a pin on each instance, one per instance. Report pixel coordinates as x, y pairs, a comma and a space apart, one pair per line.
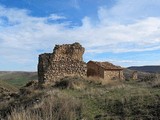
78, 98
57, 106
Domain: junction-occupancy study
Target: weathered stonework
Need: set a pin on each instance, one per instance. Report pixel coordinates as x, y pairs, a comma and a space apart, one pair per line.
104, 70
66, 60
135, 75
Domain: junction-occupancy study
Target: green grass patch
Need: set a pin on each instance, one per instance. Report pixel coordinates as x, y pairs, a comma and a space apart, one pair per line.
129, 100
17, 82
18, 79
7, 86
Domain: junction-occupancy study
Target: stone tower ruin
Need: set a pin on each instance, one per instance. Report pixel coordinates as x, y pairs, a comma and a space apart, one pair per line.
66, 60
135, 75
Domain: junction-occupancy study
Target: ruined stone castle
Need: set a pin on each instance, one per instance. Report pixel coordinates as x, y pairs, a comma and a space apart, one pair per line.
66, 60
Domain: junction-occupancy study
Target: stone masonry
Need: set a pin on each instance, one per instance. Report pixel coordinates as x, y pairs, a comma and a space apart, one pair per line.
66, 60
104, 70
135, 75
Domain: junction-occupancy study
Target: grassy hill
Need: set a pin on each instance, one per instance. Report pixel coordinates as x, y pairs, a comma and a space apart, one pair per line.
75, 98
17, 79
7, 87
79, 98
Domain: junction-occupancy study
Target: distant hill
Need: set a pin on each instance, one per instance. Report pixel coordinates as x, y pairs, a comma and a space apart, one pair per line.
128, 74
151, 69
17, 79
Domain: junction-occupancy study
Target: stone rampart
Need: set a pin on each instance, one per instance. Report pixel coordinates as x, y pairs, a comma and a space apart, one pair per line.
66, 60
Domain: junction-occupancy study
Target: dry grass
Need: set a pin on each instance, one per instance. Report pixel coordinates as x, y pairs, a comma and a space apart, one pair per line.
71, 83
106, 82
156, 81
96, 80
82, 98
22, 114
58, 106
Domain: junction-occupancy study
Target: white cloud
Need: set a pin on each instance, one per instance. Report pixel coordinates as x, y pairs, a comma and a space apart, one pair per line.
56, 17
127, 11
22, 32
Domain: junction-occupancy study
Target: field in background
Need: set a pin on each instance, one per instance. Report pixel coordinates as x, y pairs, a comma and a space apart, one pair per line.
17, 79
7, 87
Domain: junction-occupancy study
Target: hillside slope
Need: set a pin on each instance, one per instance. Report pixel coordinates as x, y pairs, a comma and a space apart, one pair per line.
5, 87
128, 74
75, 98
17, 79
151, 69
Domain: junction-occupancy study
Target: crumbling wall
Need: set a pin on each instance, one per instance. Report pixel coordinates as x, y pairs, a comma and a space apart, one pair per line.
113, 75
94, 70
68, 52
135, 75
66, 60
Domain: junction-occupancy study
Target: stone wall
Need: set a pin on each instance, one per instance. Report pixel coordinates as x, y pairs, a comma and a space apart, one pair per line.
135, 75
66, 60
95, 70
68, 52
113, 75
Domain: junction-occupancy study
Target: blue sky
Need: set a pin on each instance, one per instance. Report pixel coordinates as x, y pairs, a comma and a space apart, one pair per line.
124, 32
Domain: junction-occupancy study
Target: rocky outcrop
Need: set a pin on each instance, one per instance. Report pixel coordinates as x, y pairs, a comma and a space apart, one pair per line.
66, 60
